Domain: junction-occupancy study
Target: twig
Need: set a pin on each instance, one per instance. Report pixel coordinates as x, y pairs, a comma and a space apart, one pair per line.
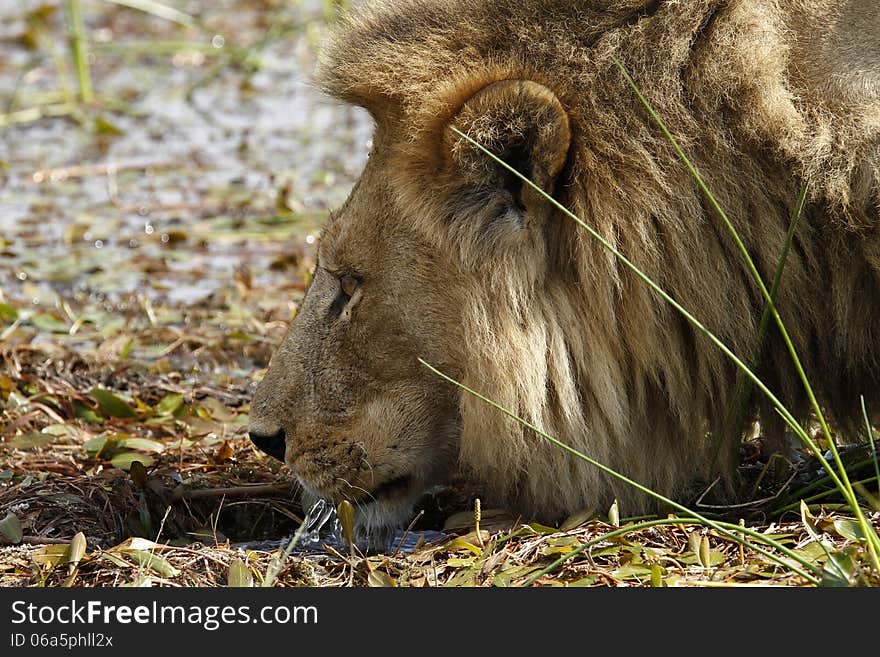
234, 491
407, 532
752, 504
103, 169
43, 540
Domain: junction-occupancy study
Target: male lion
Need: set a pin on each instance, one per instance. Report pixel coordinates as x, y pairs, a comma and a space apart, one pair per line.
442, 254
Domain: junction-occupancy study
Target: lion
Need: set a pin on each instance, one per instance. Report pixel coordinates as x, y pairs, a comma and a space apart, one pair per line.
441, 255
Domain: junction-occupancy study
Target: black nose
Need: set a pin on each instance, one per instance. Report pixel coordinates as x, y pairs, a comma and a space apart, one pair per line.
271, 445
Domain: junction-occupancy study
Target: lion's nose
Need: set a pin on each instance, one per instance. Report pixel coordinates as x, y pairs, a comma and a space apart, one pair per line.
273, 445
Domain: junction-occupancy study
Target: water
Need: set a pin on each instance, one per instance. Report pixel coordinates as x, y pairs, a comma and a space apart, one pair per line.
190, 195
324, 529
182, 164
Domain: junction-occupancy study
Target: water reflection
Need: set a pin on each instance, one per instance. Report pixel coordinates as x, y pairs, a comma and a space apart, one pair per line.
322, 529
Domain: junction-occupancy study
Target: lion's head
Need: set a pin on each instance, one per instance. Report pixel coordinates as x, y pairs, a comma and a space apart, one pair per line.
441, 254
346, 403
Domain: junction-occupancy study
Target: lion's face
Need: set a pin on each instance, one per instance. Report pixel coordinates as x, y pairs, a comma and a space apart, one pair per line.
345, 402
424, 235
444, 255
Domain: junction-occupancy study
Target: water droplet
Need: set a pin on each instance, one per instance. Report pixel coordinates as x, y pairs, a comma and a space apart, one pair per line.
218, 41
132, 244
310, 239
165, 238
148, 228
99, 244
22, 276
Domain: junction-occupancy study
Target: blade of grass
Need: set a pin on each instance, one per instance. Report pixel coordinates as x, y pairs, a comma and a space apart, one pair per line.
739, 403
280, 557
334, 8
36, 113
870, 433
846, 489
680, 507
159, 10
161, 47
77, 47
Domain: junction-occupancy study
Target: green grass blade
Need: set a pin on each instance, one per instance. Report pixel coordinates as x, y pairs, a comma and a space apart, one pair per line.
281, 555
77, 47
335, 8
739, 403
870, 433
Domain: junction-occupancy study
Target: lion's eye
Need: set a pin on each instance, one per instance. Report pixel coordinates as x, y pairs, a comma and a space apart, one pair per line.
349, 284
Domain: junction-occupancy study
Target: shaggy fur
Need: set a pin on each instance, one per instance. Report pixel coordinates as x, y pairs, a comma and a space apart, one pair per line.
528, 309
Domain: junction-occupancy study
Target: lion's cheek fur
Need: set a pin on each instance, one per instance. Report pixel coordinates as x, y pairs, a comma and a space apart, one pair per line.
570, 377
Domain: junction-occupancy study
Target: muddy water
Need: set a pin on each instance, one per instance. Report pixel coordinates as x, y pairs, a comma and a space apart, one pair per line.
213, 150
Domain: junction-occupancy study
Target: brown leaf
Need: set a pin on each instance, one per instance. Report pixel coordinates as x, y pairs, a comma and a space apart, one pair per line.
379, 578
345, 512
225, 452
76, 550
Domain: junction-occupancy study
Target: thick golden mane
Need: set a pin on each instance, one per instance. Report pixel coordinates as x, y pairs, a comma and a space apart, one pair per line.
583, 349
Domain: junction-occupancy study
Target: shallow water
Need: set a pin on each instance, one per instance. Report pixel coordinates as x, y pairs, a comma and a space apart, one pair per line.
322, 528
191, 160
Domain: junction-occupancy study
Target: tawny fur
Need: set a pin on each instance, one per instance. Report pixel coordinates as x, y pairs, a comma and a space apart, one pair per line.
763, 95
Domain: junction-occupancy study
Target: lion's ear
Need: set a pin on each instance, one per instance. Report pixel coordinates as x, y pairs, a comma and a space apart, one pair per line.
524, 124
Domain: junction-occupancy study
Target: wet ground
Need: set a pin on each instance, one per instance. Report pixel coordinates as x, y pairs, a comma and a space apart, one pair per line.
212, 153
153, 244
